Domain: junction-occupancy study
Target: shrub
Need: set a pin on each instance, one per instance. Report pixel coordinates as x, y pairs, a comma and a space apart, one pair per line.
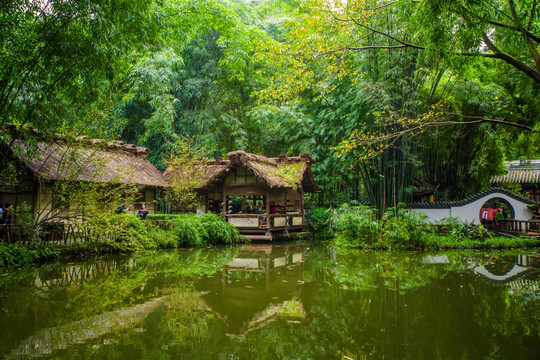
162, 238
319, 220
125, 233
162, 216
206, 229
406, 229
356, 226
218, 230
187, 231
13, 254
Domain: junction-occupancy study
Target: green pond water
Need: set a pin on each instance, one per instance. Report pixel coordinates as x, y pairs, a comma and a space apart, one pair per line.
275, 302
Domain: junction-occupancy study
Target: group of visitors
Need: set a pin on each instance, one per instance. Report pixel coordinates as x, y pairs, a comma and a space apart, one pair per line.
493, 216
124, 208
255, 208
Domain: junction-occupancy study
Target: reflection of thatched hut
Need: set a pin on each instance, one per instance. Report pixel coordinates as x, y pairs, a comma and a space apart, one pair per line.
262, 284
88, 160
258, 194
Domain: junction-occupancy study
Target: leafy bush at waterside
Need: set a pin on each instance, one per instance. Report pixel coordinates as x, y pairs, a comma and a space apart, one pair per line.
456, 229
13, 254
218, 231
187, 231
356, 226
123, 233
128, 233
202, 230
319, 220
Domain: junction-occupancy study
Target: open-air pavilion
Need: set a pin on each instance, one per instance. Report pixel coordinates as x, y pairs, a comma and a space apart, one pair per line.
258, 195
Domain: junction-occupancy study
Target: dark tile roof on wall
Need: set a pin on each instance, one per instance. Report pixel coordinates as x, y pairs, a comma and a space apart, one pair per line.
519, 176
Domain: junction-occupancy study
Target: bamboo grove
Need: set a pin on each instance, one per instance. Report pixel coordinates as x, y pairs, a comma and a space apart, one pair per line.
387, 96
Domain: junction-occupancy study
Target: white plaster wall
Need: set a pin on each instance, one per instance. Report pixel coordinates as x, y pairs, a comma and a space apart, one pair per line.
435, 214
151, 201
471, 212
43, 202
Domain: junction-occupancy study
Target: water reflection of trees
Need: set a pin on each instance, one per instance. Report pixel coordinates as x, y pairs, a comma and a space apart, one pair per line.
60, 298
348, 303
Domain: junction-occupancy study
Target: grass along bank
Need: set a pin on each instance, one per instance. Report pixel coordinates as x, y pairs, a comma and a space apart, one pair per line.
127, 234
351, 226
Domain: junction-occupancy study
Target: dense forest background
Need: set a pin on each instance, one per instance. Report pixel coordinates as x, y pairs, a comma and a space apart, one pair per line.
386, 96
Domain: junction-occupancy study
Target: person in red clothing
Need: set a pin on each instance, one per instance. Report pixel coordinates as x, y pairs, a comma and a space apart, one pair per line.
494, 215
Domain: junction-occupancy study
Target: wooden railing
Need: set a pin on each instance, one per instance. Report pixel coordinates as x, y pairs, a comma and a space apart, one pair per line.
51, 233
519, 226
253, 221
67, 233
263, 221
60, 233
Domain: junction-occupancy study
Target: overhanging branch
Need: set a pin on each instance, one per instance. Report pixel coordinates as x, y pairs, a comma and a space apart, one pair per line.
480, 119
510, 27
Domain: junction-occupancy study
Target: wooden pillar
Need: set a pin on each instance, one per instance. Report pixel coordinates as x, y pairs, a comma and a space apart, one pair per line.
224, 206
302, 205
267, 214
287, 222
302, 201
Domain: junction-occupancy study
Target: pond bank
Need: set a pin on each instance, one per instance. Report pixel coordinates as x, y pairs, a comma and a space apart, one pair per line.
402, 229
121, 234
350, 227
18, 255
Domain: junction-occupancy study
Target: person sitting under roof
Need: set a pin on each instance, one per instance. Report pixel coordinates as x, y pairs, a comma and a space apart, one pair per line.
141, 214
122, 209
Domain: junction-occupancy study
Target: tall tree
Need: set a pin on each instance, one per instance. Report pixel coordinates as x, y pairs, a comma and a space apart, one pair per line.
58, 58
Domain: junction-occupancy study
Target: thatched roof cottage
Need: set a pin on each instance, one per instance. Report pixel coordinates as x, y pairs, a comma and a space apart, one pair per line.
259, 195
46, 161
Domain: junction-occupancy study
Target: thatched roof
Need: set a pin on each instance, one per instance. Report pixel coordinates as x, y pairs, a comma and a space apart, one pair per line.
92, 160
281, 172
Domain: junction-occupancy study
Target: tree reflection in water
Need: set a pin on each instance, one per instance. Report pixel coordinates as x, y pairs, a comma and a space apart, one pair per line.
276, 301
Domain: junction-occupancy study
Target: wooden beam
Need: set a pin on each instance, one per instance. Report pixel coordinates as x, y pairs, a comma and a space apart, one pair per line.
259, 237
243, 190
224, 206
267, 210
302, 205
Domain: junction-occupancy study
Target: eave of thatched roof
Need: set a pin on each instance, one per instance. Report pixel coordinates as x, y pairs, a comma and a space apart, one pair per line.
91, 160
281, 172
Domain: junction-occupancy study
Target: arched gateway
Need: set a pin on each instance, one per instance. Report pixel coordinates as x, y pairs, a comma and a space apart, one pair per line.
469, 210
